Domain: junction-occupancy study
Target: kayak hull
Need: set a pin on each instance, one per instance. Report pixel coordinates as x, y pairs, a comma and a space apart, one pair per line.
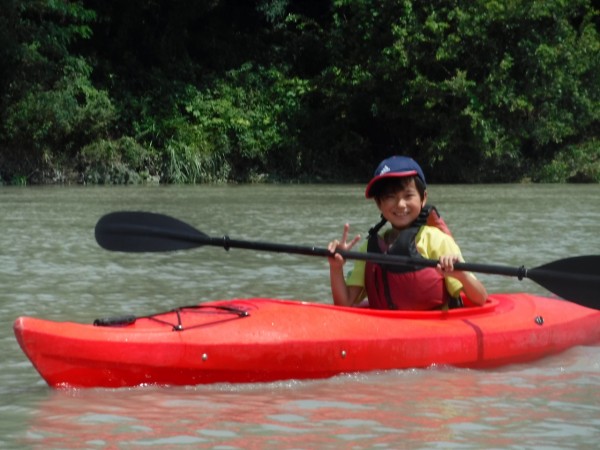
261, 340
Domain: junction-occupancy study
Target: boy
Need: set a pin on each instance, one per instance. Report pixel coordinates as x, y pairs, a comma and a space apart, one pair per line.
399, 190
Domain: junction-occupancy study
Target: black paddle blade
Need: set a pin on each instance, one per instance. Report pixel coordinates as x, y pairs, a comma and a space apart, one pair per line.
576, 279
133, 231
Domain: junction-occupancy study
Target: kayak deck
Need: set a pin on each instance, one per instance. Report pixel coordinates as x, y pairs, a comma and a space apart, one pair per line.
260, 340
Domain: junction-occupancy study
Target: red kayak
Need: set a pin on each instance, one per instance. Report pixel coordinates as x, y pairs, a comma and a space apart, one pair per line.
260, 340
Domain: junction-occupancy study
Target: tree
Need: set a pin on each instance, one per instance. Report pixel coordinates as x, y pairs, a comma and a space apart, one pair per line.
477, 91
49, 105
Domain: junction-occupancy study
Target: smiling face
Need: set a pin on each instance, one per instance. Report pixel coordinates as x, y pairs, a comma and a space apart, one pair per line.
400, 201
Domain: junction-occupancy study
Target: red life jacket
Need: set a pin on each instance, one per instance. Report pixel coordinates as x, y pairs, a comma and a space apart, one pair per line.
406, 287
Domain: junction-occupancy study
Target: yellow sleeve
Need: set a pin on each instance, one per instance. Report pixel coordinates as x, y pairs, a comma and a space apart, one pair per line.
356, 277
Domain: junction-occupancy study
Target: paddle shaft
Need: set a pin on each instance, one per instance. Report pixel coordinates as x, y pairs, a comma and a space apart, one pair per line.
575, 278
227, 243
491, 269
583, 288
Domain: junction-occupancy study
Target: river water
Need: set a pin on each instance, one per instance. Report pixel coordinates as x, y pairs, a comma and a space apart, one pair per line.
51, 267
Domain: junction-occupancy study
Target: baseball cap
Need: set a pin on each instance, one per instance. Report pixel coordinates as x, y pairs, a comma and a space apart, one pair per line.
392, 167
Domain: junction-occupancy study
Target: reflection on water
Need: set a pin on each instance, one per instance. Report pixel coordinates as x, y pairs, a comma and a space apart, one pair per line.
523, 407
50, 266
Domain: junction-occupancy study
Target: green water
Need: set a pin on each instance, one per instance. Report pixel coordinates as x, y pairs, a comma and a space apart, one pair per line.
51, 267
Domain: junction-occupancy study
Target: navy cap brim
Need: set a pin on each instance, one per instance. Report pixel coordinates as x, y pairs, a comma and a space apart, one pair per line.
408, 173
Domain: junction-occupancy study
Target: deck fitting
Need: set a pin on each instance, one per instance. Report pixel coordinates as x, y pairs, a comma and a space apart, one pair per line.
539, 320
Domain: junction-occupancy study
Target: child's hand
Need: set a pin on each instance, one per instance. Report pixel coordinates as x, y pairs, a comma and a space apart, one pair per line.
471, 286
337, 260
446, 264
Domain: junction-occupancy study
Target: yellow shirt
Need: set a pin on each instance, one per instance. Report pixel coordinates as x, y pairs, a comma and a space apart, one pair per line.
431, 244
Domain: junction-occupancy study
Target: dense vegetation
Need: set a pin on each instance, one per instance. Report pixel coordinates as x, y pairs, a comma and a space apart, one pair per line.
187, 91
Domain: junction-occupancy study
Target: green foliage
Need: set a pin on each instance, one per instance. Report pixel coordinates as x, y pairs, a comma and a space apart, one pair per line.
121, 161
51, 125
189, 164
268, 90
71, 112
244, 119
39, 41
479, 91
18, 180
576, 163
50, 107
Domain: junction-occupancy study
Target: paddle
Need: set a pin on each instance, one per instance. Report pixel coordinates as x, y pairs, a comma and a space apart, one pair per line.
576, 279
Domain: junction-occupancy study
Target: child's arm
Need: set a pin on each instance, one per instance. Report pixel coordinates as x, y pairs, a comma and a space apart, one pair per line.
472, 287
342, 294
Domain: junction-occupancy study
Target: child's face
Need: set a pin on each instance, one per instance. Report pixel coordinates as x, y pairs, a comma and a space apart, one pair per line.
401, 206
